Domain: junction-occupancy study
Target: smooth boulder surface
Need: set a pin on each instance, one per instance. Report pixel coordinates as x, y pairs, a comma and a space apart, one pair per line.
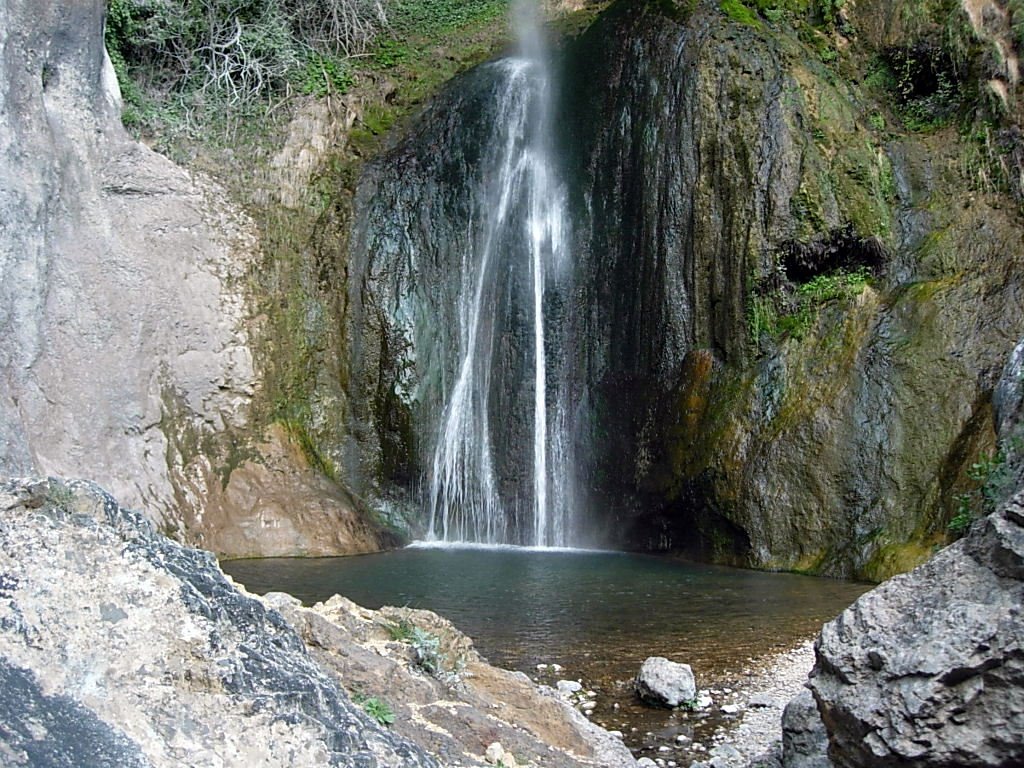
928, 669
666, 683
119, 647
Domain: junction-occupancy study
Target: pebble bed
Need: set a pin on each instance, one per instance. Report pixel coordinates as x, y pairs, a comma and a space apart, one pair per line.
751, 736
747, 709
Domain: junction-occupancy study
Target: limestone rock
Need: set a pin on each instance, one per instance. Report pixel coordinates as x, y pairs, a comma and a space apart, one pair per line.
495, 754
126, 351
460, 703
120, 296
276, 505
120, 647
568, 687
804, 739
928, 669
665, 682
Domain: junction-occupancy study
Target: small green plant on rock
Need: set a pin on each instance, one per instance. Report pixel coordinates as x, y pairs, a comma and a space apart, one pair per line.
376, 708
426, 646
428, 650
400, 630
60, 497
994, 474
964, 516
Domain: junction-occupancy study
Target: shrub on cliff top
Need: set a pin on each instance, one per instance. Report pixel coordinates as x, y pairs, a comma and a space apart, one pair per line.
233, 51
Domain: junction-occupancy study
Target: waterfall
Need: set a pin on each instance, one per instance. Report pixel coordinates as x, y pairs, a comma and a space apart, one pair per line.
519, 232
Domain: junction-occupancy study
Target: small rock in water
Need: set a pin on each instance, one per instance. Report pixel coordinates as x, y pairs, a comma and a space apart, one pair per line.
730, 709
665, 682
645, 762
556, 668
682, 738
541, 667
663, 748
703, 701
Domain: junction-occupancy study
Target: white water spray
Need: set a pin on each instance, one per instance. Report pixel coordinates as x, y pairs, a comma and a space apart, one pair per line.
523, 202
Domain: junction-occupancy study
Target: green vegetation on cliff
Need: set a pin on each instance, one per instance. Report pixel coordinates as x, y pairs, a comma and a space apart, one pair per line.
197, 67
185, 61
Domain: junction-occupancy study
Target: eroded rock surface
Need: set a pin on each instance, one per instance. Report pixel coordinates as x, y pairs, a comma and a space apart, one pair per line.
126, 352
804, 738
119, 300
120, 647
928, 669
123, 648
444, 695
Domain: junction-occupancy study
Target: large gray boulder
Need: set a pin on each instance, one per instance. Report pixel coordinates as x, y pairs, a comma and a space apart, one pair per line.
928, 669
665, 683
119, 647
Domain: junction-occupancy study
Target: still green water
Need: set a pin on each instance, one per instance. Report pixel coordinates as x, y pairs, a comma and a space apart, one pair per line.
597, 614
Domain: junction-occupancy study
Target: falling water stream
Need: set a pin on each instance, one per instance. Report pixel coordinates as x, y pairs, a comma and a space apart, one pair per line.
522, 203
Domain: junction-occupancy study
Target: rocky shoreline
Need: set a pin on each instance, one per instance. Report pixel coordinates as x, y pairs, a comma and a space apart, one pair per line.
125, 648
754, 739
128, 649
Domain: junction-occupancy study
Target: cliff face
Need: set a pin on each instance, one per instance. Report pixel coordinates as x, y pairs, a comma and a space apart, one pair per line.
792, 288
115, 267
788, 310
725, 161
123, 356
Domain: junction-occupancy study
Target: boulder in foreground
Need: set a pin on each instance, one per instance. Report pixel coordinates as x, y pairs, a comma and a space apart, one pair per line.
928, 668
119, 647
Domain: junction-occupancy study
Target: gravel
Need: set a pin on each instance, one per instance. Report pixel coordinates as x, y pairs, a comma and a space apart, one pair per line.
756, 742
